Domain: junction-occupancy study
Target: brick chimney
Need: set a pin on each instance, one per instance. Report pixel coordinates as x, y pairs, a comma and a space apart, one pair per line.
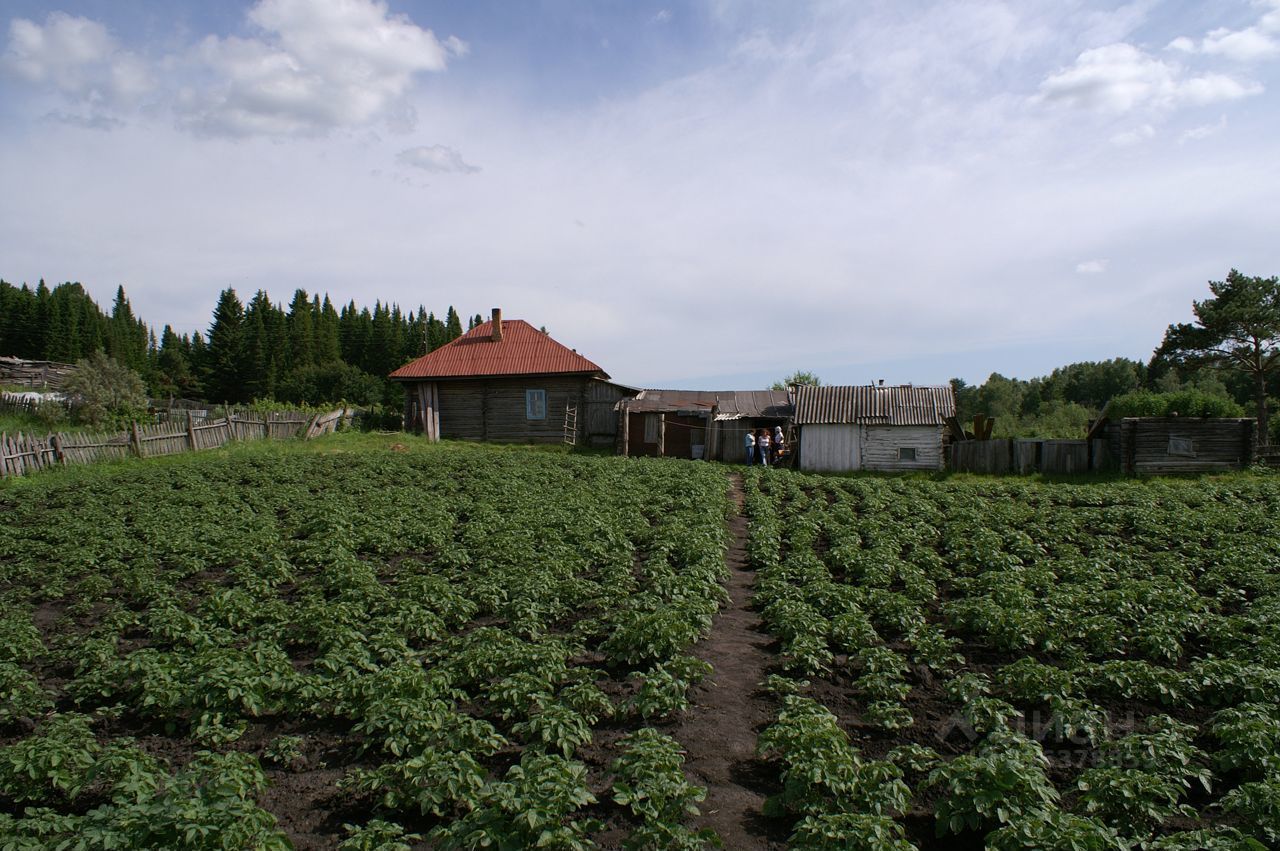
497, 325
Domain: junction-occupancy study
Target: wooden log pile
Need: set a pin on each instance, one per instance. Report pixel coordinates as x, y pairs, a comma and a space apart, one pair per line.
37, 374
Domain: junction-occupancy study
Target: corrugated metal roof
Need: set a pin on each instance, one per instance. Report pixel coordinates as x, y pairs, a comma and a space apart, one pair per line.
755, 403
672, 401
523, 350
728, 404
903, 405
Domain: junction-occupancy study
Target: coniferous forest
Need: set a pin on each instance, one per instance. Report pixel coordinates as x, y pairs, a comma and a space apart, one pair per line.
313, 352
309, 351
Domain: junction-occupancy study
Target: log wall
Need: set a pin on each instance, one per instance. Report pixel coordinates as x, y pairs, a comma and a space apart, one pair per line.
1153, 446
881, 445
494, 409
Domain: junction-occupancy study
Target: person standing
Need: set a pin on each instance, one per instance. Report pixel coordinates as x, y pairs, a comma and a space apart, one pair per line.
762, 446
751, 448
777, 443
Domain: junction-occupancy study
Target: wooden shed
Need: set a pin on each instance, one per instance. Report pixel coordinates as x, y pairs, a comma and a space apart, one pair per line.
699, 424
889, 429
1152, 446
507, 382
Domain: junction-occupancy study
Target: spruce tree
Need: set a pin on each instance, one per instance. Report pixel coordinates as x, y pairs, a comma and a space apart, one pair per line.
302, 344
452, 325
328, 349
226, 350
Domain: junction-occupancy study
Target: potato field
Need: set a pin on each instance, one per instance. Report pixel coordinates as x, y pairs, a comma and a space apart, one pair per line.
1022, 666
454, 647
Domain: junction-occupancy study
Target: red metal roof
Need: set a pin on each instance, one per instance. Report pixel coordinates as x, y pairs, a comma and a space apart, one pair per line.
523, 350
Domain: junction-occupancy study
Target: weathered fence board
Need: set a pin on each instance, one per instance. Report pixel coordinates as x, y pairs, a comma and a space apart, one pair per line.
22, 454
1064, 457
982, 456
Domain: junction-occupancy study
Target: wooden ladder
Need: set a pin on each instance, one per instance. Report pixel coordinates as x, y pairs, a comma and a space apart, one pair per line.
571, 425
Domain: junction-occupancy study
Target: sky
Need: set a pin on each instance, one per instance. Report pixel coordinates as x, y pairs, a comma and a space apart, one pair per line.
707, 195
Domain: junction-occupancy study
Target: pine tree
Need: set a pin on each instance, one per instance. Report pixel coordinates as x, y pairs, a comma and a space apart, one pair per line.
452, 325
23, 326
61, 329
174, 376
435, 333
92, 328
226, 350
328, 349
38, 337
302, 343
127, 340
260, 368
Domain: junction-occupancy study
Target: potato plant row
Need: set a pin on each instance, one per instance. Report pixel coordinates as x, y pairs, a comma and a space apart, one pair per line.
1022, 665
471, 646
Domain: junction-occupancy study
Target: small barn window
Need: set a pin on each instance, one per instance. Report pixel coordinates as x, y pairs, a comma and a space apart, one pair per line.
906, 453
1182, 446
535, 404
651, 428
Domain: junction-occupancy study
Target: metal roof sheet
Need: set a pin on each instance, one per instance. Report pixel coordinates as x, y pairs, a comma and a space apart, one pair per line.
756, 403
871, 404
523, 350
728, 404
672, 401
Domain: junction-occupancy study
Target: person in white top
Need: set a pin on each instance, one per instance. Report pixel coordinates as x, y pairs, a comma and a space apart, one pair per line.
778, 442
762, 447
751, 448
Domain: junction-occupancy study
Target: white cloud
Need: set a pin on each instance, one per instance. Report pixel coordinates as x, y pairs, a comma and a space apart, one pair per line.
1247, 45
1120, 78
1204, 131
662, 17
816, 169
1137, 135
316, 65
1092, 267
91, 121
437, 158
76, 57
1251, 44
306, 67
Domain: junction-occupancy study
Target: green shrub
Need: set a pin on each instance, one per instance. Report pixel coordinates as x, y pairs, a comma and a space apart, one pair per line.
104, 392
1181, 403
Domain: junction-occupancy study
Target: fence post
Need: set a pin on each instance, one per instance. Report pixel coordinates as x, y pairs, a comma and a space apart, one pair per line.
191, 433
55, 441
136, 439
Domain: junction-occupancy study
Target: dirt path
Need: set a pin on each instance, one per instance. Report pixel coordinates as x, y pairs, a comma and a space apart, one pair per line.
729, 709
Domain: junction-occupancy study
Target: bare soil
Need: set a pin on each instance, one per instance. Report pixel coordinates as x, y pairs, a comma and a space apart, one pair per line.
729, 708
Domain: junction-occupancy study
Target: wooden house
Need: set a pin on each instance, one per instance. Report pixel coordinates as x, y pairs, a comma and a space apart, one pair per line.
699, 424
507, 382
889, 429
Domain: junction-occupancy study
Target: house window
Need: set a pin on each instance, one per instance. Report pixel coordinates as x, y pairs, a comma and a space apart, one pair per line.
535, 404
906, 453
1182, 446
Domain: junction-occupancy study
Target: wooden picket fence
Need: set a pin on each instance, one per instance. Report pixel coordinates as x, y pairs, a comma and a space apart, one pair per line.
14, 404
22, 454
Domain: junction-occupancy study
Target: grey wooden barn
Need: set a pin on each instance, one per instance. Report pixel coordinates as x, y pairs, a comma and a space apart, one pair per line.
889, 429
